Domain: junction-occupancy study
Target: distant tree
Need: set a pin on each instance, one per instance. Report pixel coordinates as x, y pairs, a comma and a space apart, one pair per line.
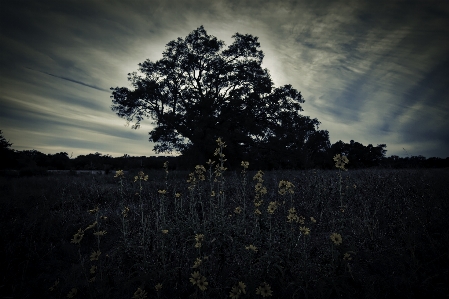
4, 144
360, 156
7, 155
59, 161
293, 142
198, 92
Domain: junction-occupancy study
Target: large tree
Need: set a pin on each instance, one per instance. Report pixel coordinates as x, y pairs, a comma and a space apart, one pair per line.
199, 91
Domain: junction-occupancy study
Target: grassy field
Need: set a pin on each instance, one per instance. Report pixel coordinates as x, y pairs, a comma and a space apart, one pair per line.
218, 234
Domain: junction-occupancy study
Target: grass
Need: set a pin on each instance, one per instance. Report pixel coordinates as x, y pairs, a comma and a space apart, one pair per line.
218, 234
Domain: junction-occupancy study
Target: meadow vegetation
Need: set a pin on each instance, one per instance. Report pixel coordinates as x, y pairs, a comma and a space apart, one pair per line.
212, 233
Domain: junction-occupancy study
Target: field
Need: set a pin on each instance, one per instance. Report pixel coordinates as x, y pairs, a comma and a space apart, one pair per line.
220, 234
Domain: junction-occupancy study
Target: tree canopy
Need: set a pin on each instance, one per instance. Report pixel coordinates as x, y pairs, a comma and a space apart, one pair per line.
200, 91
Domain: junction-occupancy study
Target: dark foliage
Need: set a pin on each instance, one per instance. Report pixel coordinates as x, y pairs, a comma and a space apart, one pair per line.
198, 92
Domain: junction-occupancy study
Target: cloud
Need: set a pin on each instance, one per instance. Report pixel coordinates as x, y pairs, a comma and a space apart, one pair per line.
375, 72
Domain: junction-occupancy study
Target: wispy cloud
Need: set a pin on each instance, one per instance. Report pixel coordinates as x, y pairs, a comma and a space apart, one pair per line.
372, 71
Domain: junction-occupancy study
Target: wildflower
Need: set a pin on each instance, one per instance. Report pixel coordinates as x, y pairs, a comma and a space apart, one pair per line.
165, 231
257, 212
251, 247
210, 162
235, 293
238, 210
220, 142
195, 277
93, 211
259, 176
119, 173
292, 215
91, 226
245, 164
336, 238
347, 256
301, 219
52, 288
312, 219
162, 191
212, 193
304, 230
264, 290
77, 237
202, 283
100, 233
140, 294
258, 203
197, 245
158, 287
355, 186
341, 161
72, 293
199, 237
141, 176
125, 212
92, 279
177, 195
242, 287
94, 256
272, 207
197, 263
93, 269
284, 187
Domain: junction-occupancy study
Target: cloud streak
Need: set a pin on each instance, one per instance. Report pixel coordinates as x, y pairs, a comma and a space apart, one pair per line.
375, 72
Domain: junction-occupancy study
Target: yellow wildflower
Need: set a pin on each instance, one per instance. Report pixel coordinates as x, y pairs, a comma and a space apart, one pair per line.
202, 283
264, 290
72, 293
52, 288
199, 237
238, 210
140, 294
77, 237
158, 287
119, 173
93, 211
95, 255
125, 212
336, 238
93, 269
251, 247
91, 226
195, 277
304, 230
272, 207
197, 263
165, 231
100, 233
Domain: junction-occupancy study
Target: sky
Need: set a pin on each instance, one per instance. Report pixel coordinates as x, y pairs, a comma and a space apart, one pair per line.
376, 72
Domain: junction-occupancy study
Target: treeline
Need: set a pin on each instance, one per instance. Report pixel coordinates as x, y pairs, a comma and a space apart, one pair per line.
32, 162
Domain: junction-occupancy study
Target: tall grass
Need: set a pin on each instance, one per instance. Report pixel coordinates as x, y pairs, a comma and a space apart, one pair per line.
218, 234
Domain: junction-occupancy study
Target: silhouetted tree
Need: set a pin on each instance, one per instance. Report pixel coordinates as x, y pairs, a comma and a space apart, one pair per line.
198, 92
360, 156
7, 155
293, 142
